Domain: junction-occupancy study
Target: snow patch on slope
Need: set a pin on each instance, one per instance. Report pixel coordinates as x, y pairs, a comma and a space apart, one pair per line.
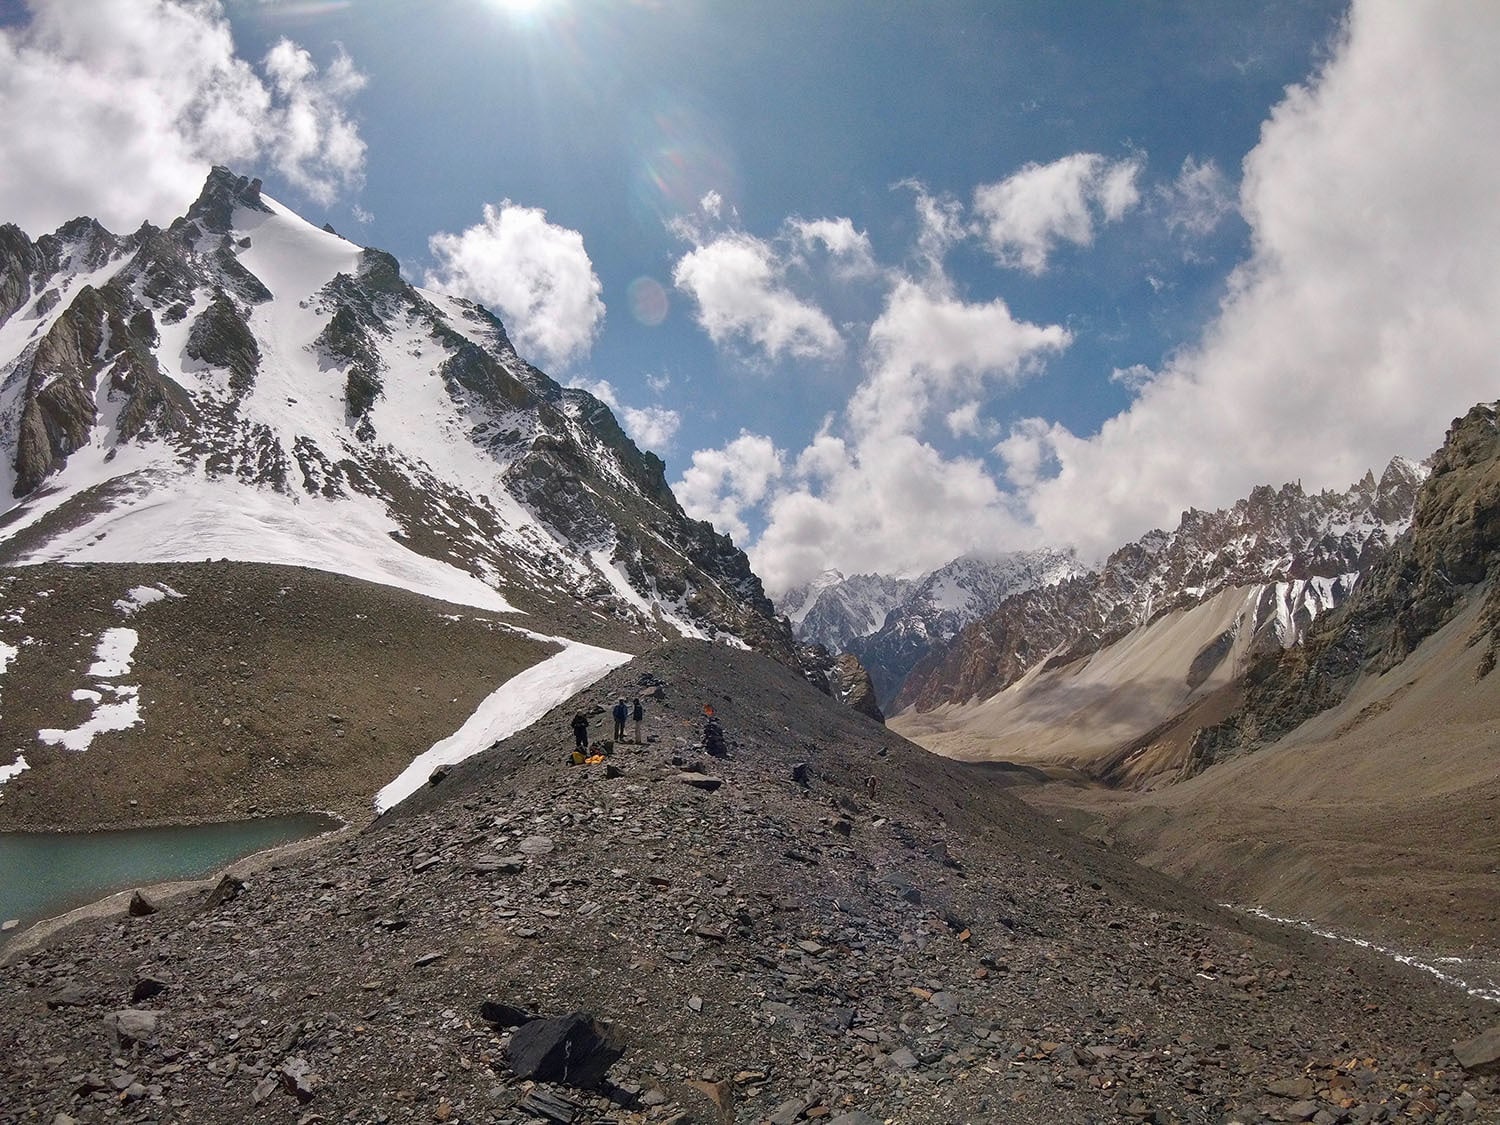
196, 520
517, 703
112, 658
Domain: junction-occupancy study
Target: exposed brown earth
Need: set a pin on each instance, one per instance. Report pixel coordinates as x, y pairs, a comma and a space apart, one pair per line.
261, 688
1380, 817
916, 948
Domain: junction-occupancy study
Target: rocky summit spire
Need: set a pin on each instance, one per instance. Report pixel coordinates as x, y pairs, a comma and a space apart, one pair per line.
223, 191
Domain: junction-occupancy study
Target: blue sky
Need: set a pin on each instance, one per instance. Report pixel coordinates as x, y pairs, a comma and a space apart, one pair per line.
882, 282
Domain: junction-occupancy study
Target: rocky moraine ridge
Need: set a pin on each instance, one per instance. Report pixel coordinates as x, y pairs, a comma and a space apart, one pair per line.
828, 925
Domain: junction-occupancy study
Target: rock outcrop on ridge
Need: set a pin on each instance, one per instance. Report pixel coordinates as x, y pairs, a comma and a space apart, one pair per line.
827, 925
1449, 556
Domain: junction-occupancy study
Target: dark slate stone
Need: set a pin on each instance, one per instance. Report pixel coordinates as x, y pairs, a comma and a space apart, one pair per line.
574, 1049
1480, 1055
504, 1015
147, 987
229, 888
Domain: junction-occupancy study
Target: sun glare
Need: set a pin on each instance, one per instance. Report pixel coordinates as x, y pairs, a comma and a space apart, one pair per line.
521, 7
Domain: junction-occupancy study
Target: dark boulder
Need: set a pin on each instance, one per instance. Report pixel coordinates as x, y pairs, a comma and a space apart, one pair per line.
574, 1049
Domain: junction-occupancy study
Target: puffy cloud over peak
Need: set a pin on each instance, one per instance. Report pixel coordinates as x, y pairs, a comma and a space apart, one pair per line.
535, 274
117, 108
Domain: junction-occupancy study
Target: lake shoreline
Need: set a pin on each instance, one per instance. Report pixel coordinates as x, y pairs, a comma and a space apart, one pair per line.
22, 942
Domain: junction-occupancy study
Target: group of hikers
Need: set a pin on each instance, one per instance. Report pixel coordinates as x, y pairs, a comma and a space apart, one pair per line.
634, 711
621, 712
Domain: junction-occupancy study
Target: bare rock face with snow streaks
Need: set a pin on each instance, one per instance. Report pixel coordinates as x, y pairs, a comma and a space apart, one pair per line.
243, 346
1303, 550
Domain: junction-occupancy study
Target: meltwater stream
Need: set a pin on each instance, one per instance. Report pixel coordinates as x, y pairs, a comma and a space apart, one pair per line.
1478, 976
46, 873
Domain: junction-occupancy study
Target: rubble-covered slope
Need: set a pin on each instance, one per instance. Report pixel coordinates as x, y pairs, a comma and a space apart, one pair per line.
885, 939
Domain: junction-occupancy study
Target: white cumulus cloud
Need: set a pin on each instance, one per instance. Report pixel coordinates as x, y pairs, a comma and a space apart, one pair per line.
721, 483
739, 284
893, 505
536, 275
116, 109
1025, 216
1368, 314
850, 249
928, 347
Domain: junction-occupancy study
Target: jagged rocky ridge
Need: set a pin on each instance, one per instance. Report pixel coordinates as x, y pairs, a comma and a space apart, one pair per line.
765, 943
890, 623
1449, 555
163, 357
1303, 550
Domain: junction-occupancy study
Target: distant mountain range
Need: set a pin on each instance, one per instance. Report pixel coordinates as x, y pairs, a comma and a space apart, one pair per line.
971, 628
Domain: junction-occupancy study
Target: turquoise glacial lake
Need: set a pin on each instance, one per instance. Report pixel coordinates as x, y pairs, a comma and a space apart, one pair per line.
46, 873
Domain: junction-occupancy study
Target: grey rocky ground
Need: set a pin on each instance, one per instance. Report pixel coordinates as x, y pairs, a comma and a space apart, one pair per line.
888, 938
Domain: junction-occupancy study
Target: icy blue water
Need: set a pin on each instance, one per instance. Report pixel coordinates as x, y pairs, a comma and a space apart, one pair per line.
46, 873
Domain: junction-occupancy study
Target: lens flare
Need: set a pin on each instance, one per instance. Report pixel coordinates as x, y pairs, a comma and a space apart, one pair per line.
648, 301
683, 157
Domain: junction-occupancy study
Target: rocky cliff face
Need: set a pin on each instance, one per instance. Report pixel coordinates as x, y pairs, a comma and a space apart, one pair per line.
243, 346
1448, 556
835, 610
843, 677
1306, 550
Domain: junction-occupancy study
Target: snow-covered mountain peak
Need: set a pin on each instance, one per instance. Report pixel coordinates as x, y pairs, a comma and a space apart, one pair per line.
247, 385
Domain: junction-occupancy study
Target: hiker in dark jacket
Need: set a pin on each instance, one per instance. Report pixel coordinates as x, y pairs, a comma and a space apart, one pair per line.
713, 735
637, 713
621, 713
581, 730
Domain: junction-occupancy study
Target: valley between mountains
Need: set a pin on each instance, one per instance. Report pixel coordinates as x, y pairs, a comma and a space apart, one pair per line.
284, 532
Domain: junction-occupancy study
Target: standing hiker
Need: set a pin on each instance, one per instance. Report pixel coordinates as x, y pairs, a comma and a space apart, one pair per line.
621, 712
713, 735
637, 713
581, 731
